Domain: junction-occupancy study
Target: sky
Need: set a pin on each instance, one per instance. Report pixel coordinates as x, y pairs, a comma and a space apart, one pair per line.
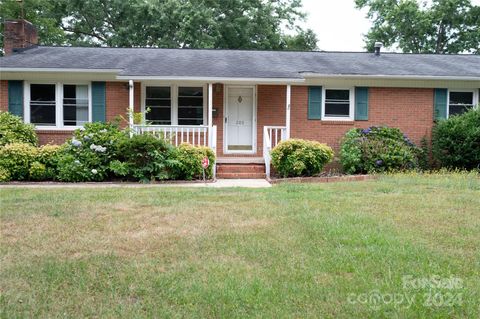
338, 24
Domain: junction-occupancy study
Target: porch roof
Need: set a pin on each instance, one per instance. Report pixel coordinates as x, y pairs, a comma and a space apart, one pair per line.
209, 63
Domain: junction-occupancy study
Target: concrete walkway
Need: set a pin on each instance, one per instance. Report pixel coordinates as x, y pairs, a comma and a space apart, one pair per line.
220, 183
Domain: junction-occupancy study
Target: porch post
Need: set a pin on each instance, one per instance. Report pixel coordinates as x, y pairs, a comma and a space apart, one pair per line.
287, 120
210, 112
130, 106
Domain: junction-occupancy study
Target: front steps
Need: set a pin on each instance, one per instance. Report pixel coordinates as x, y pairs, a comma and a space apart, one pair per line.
241, 168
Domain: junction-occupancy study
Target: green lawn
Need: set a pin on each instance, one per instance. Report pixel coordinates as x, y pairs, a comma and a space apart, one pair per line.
319, 250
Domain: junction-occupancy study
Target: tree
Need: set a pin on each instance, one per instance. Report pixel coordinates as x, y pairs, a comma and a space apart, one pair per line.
444, 26
232, 24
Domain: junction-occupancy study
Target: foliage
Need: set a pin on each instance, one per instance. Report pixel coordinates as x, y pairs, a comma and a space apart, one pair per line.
296, 157
189, 162
13, 130
147, 158
87, 156
377, 149
48, 155
456, 141
424, 154
241, 24
444, 26
16, 159
37, 171
4, 175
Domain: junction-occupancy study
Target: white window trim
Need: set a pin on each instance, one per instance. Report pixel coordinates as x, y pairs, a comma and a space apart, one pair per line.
58, 105
475, 97
351, 116
174, 100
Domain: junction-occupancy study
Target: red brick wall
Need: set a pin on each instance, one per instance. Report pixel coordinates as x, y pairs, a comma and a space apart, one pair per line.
3, 95
117, 100
409, 109
218, 91
271, 110
53, 137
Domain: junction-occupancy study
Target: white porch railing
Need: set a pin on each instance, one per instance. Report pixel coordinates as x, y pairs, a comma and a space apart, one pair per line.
178, 134
272, 135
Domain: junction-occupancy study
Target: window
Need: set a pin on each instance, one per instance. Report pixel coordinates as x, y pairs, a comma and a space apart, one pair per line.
338, 104
460, 102
190, 105
175, 105
158, 100
43, 104
75, 105
57, 105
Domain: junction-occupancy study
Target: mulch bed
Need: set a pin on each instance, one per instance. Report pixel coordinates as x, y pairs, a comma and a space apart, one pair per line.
323, 179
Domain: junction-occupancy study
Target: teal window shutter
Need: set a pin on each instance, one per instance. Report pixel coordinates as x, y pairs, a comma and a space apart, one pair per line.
98, 102
314, 102
15, 98
361, 103
440, 104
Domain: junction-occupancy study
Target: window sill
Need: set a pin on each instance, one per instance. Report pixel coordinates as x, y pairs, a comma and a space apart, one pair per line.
56, 129
338, 122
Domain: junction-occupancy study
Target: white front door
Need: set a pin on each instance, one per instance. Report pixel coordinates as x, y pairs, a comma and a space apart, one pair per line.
240, 119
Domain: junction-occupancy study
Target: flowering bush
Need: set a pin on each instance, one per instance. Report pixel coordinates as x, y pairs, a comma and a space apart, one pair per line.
188, 163
456, 141
87, 156
377, 149
296, 157
13, 130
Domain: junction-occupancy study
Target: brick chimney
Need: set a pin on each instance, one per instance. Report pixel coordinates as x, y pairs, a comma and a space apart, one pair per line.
18, 34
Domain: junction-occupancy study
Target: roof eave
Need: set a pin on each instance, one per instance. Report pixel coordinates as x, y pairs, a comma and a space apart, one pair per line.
389, 77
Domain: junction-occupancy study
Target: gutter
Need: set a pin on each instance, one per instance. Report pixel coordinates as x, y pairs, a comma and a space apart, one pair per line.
312, 75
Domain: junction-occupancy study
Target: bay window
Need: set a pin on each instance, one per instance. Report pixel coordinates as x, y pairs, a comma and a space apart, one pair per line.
460, 102
174, 105
57, 105
338, 104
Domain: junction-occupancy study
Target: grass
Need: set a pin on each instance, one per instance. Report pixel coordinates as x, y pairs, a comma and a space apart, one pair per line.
326, 250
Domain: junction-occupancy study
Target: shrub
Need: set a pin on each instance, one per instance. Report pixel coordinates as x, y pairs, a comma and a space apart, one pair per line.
297, 157
4, 175
456, 141
377, 149
188, 164
48, 155
16, 159
87, 156
37, 171
146, 158
13, 130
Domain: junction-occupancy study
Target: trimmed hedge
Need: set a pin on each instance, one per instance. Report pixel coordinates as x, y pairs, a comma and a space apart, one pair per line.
456, 141
296, 157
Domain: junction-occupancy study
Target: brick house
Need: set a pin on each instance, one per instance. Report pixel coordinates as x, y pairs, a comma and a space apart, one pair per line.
241, 103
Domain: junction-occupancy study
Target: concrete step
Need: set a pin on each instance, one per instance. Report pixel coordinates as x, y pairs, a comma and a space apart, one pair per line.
241, 175
240, 168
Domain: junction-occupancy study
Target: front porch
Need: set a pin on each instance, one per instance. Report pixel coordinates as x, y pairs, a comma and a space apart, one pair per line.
241, 122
